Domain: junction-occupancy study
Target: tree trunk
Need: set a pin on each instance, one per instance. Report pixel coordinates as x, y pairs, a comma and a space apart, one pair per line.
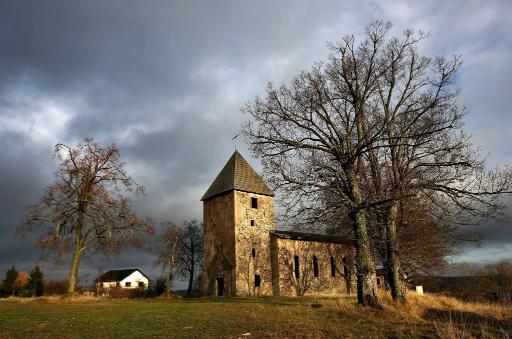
73, 272
168, 287
366, 294
190, 283
398, 291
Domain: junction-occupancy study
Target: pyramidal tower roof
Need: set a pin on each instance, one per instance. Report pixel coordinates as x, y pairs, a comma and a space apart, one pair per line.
238, 175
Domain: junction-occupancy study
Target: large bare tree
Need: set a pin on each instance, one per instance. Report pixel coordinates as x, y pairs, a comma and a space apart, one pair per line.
424, 155
374, 128
313, 135
85, 210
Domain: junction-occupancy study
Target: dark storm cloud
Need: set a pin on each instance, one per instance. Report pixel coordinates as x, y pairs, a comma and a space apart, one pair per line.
165, 81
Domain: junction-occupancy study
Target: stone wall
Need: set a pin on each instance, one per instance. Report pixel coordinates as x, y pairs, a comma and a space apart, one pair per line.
219, 244
286, 283
252, 243
241, 248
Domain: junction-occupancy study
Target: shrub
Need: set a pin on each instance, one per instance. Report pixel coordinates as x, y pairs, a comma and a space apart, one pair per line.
55, 287
130, 293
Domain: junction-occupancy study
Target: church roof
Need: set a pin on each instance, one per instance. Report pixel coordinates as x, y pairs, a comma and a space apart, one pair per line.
238, 175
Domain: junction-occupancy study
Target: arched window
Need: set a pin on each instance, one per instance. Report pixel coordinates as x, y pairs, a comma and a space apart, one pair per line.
315, 266
253, 253
345, 265
333, 267
296, 262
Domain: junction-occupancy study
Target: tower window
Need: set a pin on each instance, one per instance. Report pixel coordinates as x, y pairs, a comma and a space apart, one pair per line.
315, 266
253, 253
257, 280
254, 202
252, 222
333, 267
345, 265
296, 262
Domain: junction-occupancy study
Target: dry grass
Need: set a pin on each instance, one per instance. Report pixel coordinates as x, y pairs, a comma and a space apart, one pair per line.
454, 318
422, 316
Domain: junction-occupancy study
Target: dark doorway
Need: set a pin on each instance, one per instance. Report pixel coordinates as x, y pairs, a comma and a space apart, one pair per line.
257, 280
220, 287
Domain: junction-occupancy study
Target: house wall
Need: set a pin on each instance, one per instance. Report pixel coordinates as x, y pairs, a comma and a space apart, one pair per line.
134, 279
108, 284
287, 284
249, 237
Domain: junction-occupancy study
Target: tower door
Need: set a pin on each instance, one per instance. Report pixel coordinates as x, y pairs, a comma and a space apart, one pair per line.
220, 287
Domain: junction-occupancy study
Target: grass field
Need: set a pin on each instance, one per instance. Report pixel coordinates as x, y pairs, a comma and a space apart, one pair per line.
429, 315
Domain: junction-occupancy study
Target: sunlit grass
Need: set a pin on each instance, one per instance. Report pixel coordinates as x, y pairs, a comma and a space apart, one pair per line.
428, 315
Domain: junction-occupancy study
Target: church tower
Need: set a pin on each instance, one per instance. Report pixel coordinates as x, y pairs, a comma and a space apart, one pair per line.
238, 214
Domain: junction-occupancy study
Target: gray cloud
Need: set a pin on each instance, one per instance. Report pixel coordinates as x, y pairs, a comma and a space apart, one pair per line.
165, 81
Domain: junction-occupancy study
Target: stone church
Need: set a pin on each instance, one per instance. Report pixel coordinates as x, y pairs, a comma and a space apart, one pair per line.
244, 253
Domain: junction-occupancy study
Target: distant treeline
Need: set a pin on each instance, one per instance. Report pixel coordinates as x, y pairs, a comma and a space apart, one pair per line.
491, 283
34, 284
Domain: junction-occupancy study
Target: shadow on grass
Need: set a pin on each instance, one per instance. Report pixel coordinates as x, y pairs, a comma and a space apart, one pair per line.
242, 300
469, 320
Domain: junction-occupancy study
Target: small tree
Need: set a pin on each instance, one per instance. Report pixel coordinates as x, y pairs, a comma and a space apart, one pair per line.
84, 209
10, 277
169, 253
20, 283
190, 251
36, 282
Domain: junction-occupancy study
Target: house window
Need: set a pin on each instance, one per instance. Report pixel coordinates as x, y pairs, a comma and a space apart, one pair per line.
253, 253
128, 284
333, 267
257, 280
141, 283
296, 262
315, 266
378, 281
118, 284
254, 202
252, 222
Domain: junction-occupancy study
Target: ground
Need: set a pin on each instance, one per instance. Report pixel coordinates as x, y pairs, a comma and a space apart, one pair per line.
423, 316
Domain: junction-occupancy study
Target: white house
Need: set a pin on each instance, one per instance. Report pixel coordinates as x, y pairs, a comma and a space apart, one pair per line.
126, 278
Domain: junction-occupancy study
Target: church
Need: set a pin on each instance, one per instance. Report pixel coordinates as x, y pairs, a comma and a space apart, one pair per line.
244, 253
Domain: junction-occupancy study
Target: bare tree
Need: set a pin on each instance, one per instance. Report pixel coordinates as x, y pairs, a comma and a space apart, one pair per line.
372, 130
190, 247
424, 154
169, 257
313, 135
84, 208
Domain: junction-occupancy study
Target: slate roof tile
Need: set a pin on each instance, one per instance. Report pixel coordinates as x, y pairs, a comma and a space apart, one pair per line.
238, 175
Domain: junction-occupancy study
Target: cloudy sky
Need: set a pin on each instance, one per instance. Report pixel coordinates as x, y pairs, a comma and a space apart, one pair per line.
165, 80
